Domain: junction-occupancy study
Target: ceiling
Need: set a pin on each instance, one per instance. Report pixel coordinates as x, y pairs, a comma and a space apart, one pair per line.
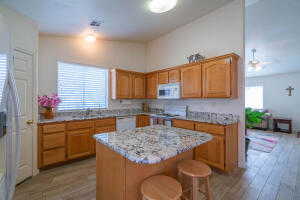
122, 19
273, 28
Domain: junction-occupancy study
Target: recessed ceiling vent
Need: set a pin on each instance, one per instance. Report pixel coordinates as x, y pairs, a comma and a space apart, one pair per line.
95, 23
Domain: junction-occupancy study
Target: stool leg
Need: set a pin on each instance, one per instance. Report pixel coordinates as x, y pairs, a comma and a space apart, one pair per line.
195, 188
207, 188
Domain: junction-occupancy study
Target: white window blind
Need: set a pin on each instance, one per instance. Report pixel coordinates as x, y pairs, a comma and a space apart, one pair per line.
82, 87
254, 97
3, 72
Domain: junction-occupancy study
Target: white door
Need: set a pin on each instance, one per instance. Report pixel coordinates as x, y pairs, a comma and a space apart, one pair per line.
23, 72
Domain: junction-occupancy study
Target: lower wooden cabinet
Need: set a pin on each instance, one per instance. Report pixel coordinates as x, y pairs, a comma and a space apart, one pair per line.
78, 143
185, 124
53, 156
220, 152
142, 120
64, 141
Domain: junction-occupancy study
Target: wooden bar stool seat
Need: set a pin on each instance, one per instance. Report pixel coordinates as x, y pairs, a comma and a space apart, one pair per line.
197, 171
161, 188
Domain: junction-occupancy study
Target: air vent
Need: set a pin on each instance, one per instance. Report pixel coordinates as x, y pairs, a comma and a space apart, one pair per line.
95, 23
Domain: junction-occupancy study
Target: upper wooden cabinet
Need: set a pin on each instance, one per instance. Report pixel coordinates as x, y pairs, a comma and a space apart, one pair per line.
219, 78
174, 76
170, 76
139, 86
121, 84
151, 85
163, 77
127, 84
211, 78
191, 82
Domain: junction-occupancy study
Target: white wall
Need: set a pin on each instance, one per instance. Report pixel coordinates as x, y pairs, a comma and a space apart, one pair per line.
107, 54
275, 97
218, 33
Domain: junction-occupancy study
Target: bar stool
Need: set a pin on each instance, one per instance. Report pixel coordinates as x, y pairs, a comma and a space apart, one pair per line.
161, 187
196, 170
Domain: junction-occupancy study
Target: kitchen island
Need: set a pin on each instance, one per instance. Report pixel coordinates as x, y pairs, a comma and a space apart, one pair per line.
126, 158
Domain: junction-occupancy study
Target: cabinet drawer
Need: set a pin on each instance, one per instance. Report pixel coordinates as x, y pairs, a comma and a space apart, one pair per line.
183, 124
54, 156
105, 122
105, 129
53, 140
210, 128
52, 128
78, 125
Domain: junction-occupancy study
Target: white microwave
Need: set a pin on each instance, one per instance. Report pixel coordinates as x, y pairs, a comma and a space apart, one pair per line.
168, 91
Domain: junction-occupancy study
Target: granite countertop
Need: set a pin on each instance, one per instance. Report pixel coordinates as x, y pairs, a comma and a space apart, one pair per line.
214, 118
152, 144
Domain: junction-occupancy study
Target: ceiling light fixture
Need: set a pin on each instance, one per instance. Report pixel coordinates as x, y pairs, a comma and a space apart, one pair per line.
161, 6
90, 38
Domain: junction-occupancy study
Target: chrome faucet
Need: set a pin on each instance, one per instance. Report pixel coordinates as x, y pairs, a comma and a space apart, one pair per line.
88, 112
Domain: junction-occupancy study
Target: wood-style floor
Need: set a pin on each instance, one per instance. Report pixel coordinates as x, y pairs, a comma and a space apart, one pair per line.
268, 176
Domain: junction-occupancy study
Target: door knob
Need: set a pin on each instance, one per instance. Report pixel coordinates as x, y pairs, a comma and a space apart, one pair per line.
29, 122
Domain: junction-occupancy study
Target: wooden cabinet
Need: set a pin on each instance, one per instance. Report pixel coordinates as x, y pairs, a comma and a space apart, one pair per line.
185, 124
219, 78
78, 143
174, 76
121, 84
191, 82
51, 144
211, 78
60, 142
102, 126
222, 151
139, 86
170, 76
163, 77
151, 85
142, 120
127, 84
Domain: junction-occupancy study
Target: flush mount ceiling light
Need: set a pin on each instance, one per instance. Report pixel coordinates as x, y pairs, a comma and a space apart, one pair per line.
161, 6
90, 38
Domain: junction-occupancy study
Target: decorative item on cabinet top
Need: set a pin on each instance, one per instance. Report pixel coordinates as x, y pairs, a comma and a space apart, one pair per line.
209, 78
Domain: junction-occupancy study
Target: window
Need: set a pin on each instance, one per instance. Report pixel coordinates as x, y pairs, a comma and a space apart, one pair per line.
3, 68
81, 87
254, 97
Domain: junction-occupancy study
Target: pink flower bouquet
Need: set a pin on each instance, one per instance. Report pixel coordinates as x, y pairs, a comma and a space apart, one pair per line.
49, 102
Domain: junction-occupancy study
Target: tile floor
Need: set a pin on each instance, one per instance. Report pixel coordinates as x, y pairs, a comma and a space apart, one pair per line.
268, 176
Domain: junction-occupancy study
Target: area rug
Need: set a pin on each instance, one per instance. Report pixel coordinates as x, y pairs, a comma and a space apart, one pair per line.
261, 141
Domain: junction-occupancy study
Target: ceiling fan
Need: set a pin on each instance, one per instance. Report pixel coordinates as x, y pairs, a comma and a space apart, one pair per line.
256, 64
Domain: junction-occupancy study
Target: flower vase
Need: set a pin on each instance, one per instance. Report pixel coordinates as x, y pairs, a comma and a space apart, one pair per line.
49, 113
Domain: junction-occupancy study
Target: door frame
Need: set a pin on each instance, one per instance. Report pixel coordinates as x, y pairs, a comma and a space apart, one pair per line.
34, 116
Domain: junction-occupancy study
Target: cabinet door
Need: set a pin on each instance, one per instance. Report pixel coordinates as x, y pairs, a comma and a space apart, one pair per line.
142, 120
151, 84
124, 85
174, 76
217, 78
185, 124
78, 142
191, 82
212, 152
139, 86
163, 77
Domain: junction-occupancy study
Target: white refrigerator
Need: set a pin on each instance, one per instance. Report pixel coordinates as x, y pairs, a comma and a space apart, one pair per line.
9, 119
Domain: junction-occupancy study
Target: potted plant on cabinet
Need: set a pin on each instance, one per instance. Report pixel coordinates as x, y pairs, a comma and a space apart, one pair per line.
49, 103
